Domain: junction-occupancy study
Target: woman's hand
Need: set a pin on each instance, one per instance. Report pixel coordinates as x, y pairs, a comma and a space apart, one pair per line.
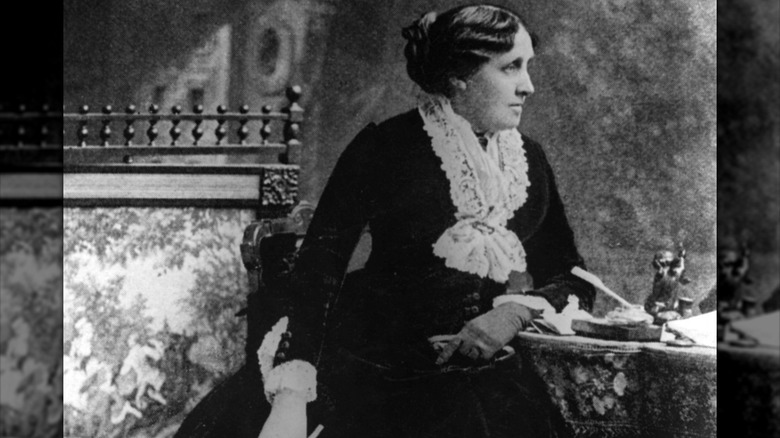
488, 333
287, 418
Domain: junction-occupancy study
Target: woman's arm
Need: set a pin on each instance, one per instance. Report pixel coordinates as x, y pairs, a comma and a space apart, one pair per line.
551, 252
291, 350
342, 213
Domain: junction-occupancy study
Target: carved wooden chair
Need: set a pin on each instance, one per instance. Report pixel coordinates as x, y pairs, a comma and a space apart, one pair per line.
237, 407
268, 251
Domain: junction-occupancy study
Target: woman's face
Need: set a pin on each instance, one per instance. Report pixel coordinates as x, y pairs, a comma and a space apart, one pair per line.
493, 98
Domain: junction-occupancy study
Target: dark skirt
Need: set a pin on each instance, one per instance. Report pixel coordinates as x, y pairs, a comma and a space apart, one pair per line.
357, 398
493, 399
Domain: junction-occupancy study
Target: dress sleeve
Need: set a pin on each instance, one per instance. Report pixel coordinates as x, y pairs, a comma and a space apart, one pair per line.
551, 252
338, 222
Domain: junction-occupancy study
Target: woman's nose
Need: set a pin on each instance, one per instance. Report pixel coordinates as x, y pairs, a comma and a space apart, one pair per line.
525, 87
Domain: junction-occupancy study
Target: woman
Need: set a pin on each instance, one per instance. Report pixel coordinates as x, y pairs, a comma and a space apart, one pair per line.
456, 199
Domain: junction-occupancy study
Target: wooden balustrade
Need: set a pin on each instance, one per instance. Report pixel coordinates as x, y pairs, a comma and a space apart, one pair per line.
153, 157
30, 156
132, 133
29, 128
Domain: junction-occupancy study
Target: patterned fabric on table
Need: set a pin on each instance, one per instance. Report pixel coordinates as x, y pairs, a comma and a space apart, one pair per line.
627, 389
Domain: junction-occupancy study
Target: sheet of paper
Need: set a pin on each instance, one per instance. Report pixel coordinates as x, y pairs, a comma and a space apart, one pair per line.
764, 328
701, 329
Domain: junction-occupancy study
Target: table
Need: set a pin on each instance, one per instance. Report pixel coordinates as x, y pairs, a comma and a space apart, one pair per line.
750, 376
627, 389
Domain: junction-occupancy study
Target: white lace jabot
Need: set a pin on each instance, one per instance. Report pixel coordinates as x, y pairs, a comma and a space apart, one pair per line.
486, 186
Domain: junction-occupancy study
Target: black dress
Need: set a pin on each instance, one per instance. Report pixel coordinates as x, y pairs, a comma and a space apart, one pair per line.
367, 333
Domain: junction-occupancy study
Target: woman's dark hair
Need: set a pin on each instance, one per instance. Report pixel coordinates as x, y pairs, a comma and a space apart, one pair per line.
456, 43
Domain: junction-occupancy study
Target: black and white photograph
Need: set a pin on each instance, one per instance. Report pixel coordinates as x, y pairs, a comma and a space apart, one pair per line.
298, 217
437, 218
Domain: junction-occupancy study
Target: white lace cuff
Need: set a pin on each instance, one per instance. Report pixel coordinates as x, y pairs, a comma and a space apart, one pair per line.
267, 350
296, 375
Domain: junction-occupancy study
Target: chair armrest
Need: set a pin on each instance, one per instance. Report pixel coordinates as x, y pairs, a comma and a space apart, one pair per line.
268, 252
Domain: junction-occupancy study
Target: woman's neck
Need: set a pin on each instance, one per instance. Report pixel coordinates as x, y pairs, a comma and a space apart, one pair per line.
482, 138
468, 114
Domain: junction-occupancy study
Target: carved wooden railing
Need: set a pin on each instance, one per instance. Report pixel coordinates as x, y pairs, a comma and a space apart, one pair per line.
24, 128
30, 156
165, 134
235, 159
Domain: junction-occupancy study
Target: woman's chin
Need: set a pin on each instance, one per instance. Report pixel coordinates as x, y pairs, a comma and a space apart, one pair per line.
511, 122
513, 125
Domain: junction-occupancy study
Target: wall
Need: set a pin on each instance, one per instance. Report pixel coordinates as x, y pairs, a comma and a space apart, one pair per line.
112, 49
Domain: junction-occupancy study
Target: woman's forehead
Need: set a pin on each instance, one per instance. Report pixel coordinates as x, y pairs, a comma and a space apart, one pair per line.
522, 49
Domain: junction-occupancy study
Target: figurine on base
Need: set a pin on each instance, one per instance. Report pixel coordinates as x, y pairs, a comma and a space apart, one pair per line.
670, 299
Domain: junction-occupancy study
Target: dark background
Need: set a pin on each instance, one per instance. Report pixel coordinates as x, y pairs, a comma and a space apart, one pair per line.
749, 131
576, 112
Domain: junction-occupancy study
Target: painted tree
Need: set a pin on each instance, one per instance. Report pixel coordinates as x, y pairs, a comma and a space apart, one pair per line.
201, 242
31, 296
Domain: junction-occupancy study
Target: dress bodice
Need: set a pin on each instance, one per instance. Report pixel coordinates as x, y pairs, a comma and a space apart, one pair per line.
390, 180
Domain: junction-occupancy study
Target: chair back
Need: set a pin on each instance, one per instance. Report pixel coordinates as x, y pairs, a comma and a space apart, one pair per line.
268, 251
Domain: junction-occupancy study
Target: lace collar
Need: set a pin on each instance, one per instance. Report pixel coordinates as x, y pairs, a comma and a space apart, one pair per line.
486, 186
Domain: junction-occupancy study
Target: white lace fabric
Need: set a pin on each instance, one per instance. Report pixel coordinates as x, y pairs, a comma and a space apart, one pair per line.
295, 375
486, 186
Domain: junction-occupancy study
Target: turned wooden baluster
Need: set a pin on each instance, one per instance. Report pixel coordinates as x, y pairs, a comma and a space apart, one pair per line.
105, 132
197, 131
129, 131
175, 130
243, 130
44, 130
63, 126
265, 131
83, 130
21, 129
152, 132
221, 130
292, 127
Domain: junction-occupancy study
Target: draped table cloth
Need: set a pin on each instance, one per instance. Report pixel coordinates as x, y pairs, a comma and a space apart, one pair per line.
626, 389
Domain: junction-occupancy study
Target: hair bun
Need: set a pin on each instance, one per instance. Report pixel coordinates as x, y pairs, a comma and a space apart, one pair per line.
418, 48
417, 32
455, 43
